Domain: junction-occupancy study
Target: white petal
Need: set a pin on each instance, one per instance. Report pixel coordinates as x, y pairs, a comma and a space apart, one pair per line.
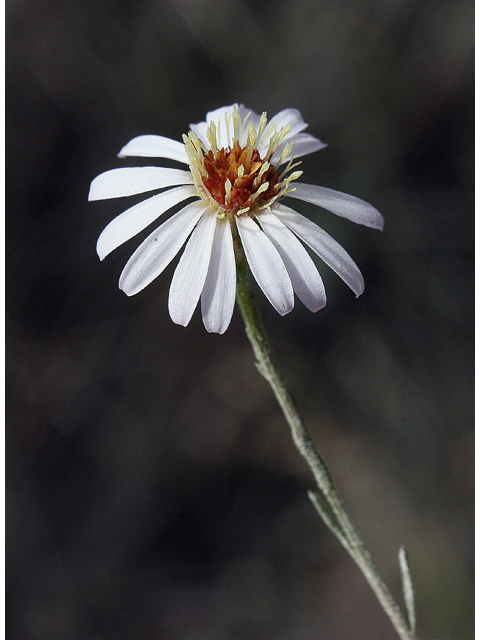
303, 273
220, 113
243, 112
219, 116
159, 249
223, 121
128, 181
339, 203
302, 145
266, 265
324, 246
155, 147
191, 271
218, 294
135, 219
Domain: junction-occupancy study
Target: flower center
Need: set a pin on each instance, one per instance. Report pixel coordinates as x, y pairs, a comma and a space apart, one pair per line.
236, 179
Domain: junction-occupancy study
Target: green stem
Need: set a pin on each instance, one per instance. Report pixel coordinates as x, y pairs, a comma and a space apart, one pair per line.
328, 504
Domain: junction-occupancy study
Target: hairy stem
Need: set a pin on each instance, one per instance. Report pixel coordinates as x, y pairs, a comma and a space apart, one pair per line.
328, 503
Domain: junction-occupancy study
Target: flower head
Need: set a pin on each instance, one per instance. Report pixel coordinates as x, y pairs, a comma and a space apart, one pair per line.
240, 168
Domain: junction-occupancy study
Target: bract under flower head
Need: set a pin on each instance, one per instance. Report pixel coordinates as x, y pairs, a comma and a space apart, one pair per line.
235, 177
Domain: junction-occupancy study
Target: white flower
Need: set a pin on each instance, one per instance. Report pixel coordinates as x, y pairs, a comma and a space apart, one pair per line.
236, 181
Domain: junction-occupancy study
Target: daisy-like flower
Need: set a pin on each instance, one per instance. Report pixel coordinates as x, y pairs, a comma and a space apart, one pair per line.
240, 168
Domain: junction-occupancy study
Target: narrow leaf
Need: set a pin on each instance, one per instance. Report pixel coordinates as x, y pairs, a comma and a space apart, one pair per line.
407, 586
327, 515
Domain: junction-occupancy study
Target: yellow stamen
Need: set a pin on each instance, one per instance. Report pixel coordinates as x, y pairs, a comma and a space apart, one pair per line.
262, 123
263, 187
251, 140
236, 123
265, 166
289, 167
287, 149
212, 136
228, 191
293, 176
275, 139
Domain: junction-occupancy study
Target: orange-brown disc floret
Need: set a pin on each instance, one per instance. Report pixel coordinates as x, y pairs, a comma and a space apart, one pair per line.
224, 165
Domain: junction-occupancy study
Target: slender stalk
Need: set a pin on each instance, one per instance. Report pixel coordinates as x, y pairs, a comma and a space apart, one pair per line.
328, 504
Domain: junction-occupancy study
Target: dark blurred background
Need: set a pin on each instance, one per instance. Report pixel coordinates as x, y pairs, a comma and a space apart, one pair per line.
153, 490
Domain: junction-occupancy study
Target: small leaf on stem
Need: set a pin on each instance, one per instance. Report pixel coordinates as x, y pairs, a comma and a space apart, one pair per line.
407, 586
